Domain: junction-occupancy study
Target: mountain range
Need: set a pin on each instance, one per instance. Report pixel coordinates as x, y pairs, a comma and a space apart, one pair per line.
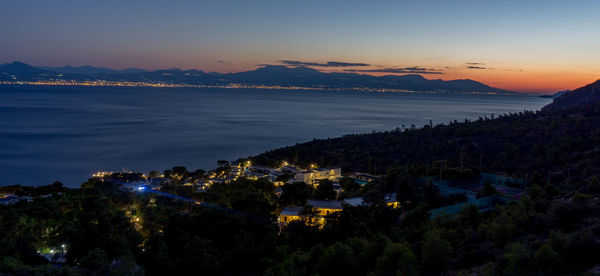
267, 75
91, 70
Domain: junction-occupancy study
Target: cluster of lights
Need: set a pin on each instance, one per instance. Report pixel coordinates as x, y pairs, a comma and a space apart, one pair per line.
95, 83
62, 249
101, 174
231, 85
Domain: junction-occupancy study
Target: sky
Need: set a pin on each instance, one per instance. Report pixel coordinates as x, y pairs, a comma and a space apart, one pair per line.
525, 45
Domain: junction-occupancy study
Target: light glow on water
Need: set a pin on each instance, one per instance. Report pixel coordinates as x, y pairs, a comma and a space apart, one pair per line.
68, 133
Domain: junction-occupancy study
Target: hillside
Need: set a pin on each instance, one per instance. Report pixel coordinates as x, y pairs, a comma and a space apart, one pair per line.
581, 96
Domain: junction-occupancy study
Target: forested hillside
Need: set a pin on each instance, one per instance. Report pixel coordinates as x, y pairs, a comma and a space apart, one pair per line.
527, 143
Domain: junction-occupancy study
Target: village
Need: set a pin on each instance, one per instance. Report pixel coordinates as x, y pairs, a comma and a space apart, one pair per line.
316, 212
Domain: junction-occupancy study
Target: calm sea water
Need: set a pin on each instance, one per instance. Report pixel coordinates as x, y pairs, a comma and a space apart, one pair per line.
67, 133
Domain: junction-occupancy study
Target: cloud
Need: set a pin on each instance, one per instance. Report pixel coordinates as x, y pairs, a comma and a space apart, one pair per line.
378, 69
404, 70
328, 64
479, 67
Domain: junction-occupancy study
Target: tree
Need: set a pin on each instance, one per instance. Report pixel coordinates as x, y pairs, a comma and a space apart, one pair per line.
309, 213
407, 192
432, 195
94, 260
517, 259
487, 190
436, 252
350, 187
153, 174
546, 257
397, 259
296, 193
593, 186
338, 260
324, 190
374, 196
471, 216
178, 174
198, 174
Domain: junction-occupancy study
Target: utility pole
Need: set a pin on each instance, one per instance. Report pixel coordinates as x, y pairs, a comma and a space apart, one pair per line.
427, 168
480, 159
568, 175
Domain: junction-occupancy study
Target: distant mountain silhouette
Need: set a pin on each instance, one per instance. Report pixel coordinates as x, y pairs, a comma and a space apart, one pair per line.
20, 67
589, 94
91, 70
308, 77
17, 71
270, 75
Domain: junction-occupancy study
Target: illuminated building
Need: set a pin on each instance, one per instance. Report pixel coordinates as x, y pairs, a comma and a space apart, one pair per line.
312, 176
322, 208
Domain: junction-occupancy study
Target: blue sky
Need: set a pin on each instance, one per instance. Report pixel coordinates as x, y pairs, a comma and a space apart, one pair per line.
525, 45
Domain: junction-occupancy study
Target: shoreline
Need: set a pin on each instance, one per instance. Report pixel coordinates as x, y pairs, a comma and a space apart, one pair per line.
240, 86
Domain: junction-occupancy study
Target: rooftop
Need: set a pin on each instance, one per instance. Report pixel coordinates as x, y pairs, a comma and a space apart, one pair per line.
291, 211
326, 204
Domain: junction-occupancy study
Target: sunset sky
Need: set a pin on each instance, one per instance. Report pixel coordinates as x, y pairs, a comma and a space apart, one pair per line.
526, 45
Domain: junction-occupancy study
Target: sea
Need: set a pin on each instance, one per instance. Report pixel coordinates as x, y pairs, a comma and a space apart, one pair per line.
66, 134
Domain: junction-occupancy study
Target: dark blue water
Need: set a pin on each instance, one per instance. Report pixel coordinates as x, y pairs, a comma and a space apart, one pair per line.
67, 133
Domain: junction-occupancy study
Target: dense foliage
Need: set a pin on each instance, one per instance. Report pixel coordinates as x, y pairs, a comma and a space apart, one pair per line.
558, 145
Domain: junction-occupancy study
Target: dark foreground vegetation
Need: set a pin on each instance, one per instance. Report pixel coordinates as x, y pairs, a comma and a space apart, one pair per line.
552, 229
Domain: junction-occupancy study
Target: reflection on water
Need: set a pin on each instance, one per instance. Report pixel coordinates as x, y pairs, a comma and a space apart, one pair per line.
66, 134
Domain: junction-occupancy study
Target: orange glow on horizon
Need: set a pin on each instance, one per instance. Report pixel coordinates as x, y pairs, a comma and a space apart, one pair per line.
524, 81
547, 80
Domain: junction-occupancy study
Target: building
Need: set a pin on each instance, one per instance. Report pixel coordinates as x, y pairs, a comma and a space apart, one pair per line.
291, 170
312, 176
289, 214
323, 209
255, 175
326, 207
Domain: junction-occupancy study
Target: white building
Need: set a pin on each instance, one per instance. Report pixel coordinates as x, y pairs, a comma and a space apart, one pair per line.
312, 176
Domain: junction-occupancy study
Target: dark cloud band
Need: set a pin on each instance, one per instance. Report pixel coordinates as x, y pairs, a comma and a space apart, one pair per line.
405, 70
478, 67
328, 64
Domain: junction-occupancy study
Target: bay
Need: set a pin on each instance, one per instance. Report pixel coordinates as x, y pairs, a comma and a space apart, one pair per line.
67, 133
